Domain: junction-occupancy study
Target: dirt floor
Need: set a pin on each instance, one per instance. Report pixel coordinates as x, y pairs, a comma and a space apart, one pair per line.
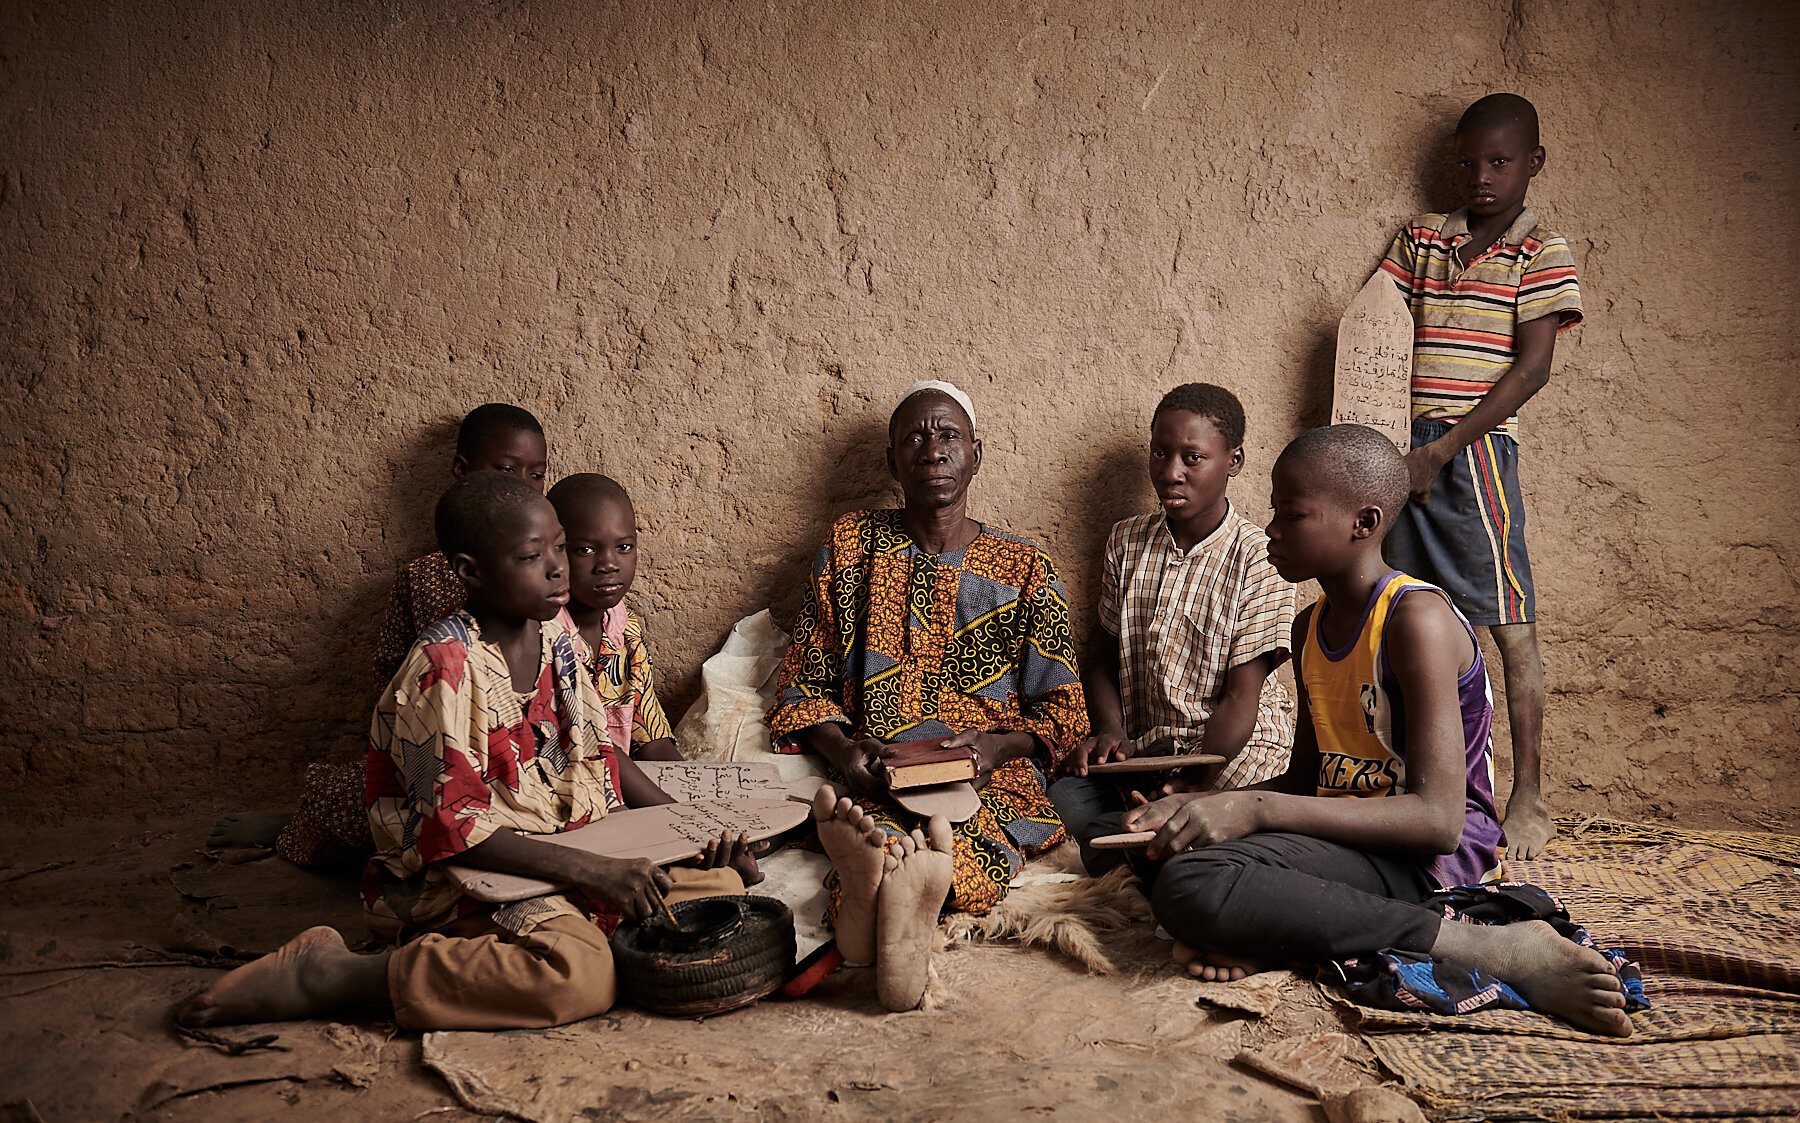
1020, 1032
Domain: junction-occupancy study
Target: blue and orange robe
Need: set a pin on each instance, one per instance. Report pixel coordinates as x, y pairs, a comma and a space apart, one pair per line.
899, 644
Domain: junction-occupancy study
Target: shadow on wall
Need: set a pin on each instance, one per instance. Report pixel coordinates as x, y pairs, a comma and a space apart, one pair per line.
847, 468
318, 696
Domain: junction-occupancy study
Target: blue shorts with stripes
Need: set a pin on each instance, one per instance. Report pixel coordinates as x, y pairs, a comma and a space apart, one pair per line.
1469, 539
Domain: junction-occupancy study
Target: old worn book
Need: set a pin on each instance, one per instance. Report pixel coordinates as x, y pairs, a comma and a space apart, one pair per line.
920, 764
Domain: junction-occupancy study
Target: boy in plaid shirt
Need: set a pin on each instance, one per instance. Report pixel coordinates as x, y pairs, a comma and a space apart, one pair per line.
1193, 621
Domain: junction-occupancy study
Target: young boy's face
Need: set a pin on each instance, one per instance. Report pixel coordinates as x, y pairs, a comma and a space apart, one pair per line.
1310, 529
519, 453
1190, 463
523, 572
602, 551
1494, 167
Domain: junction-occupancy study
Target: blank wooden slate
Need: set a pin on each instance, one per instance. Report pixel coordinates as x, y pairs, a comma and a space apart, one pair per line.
1373, 384
1154, 763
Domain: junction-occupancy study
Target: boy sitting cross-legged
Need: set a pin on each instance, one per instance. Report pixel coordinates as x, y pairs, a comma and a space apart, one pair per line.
598, 517
1389, 797
490, 734
1193, 621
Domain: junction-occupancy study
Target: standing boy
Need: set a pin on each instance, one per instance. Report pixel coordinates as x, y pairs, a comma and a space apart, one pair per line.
1389, 797
1193, 620
1490, 288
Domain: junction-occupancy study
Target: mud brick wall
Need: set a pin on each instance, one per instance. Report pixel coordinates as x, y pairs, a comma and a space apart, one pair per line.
257, 258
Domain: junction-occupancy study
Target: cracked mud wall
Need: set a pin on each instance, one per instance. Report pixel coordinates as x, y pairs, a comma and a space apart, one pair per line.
259, 258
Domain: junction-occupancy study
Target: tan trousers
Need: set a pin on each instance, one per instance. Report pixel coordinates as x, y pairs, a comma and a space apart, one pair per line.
474, 975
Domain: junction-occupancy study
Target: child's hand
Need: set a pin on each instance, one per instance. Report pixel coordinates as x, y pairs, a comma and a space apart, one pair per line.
1104, 745
1148, 816
1423, 464
629, 885
739, 853
1182, 822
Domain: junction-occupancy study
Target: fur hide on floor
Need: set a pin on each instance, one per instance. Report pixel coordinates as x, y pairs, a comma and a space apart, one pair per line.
1053, 904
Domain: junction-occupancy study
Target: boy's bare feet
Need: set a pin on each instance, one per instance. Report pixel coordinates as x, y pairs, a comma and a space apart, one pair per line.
313, 973
242, 830
1554, 975
856, 845
1212, 967
1529, 827
912, 894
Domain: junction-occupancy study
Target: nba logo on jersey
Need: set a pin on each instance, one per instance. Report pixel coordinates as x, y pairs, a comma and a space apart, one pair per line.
1370, 702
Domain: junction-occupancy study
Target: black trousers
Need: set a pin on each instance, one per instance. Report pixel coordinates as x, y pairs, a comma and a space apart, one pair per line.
1282, 898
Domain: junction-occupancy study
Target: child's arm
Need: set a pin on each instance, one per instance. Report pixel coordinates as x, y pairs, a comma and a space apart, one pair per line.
1426, 646
1232, 721
651, 737
637, 789
629, 885
1534, 342
1106, 711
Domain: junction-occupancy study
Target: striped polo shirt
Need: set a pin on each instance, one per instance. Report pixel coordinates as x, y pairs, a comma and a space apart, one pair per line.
1464, 319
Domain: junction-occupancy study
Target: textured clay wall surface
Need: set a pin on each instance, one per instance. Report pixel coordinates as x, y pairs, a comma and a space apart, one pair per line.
260, 257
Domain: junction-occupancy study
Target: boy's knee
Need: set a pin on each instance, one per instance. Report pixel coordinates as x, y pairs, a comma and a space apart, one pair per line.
1191, 890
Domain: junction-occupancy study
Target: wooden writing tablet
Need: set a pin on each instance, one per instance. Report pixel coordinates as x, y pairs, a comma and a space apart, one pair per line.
672, 832
1130, 841
1372, 383
955, 802
1154, 763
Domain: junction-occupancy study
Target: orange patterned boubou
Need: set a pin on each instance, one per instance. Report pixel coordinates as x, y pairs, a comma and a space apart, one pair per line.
899, 644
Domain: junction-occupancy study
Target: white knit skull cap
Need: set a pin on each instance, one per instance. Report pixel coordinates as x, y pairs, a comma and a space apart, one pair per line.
941, 387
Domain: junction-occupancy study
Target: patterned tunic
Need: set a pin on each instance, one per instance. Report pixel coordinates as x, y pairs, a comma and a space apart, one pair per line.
899, 644
625, 680
456, 754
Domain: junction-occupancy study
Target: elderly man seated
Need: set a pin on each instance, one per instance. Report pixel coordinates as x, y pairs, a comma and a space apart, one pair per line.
920, 623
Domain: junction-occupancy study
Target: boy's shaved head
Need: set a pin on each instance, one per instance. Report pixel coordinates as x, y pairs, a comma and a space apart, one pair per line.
1354, 462
484, 421
1498, 111
1215, 403
586, 489
476, 507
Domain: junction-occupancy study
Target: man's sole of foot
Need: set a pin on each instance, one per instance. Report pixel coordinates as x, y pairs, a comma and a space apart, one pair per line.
912, 895
272, 989
856, 845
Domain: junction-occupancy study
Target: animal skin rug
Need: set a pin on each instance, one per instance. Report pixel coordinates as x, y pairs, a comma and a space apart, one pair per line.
1053, 904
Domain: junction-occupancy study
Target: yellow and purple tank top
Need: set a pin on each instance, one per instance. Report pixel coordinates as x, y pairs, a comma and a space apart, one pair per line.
1359, 718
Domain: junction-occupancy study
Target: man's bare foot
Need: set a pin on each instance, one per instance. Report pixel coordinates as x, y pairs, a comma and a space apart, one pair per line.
242, 830
1529, 827
912, 894
856, 845
313, 973
1212, 967
1554, 975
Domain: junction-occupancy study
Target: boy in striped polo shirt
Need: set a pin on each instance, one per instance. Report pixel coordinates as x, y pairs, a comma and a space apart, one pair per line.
1490, 288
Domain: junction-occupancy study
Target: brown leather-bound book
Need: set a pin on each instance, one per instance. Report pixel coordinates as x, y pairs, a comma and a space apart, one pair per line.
920, 764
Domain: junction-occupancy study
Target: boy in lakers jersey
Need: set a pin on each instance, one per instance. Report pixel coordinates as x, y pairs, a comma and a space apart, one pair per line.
1389, 796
